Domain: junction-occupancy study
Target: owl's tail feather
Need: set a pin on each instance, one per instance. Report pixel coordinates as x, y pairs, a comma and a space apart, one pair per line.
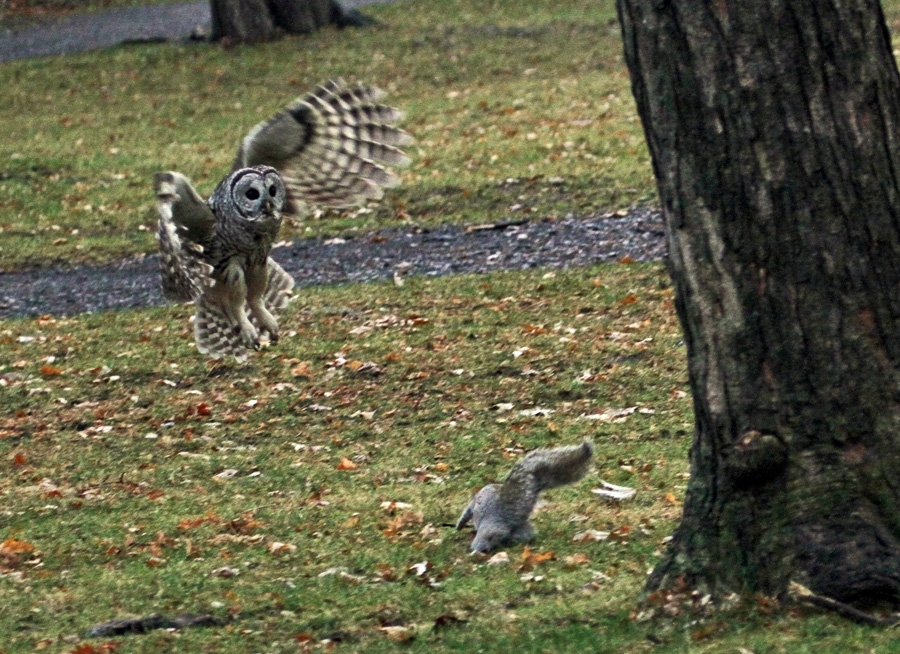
216, 334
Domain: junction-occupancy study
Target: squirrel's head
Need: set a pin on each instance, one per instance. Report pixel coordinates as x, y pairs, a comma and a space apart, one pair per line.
489, 538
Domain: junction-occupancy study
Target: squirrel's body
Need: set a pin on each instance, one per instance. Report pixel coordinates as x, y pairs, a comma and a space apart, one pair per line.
500, 512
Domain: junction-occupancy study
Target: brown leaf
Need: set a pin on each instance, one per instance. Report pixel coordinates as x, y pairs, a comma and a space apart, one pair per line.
301, 370
19, 459
530, 559
631, 298
574, 560
245, 525
278, 548
620, 533
399, 634
626, 259
346, 464
50, 371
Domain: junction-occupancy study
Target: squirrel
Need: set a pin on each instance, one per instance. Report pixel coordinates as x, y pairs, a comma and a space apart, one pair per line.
500, 511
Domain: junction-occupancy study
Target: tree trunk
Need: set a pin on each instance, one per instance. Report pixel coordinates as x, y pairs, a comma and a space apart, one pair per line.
248, 21
242, 21
774, 131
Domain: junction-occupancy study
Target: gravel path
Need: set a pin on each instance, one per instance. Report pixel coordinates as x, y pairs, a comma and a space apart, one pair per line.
70, 33
445, 250
450, 249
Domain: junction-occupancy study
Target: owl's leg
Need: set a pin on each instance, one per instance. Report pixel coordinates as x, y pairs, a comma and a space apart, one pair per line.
257, 283
231, 297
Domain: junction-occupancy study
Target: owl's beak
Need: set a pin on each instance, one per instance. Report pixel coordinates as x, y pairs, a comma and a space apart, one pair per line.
268, 207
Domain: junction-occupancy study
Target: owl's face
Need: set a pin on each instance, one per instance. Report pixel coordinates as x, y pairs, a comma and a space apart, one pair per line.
256, 194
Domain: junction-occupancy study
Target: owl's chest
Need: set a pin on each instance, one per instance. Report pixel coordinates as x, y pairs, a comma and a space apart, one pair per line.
251, 239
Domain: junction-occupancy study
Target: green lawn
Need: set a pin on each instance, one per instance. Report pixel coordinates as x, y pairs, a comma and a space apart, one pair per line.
134, 469
306, 494
488, 91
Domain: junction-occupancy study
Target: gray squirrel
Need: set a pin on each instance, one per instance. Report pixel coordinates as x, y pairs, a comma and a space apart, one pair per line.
500, 511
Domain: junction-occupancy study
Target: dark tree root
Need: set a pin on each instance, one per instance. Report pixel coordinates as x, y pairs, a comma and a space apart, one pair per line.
803, 594
147, 623
854, 560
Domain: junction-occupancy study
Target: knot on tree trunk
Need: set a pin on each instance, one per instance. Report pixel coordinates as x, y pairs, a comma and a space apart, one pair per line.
755, 459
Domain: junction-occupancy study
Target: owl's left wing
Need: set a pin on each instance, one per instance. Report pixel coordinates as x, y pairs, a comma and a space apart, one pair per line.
333, 147
185, 221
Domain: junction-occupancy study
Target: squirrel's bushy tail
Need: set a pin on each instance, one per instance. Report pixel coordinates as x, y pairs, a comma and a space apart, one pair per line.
555, 467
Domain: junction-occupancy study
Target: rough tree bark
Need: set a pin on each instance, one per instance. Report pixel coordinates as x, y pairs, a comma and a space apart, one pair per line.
249, 21
774, 131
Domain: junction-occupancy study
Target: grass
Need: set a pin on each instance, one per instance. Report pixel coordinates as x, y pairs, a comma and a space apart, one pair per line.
134, 471
488, 93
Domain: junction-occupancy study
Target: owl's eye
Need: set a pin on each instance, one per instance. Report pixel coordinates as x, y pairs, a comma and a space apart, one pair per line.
273, 190
252, 194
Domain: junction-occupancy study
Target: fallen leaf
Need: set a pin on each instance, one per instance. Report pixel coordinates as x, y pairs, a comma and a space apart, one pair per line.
631, 298
500, 558
530, 559
613, 493
225, 572
393, 507
11, 546
399, 634
621, 532
574, 560
419, 569
301, 370
611, 415
346, 464
278, 548
50, 371
590, 535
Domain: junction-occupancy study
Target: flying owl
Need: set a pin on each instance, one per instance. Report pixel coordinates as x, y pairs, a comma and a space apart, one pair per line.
333, 147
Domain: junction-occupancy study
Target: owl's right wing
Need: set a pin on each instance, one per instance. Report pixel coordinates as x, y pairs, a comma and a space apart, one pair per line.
185, 221
333, 147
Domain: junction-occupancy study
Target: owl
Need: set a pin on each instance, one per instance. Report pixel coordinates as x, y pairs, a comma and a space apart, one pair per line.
333, 147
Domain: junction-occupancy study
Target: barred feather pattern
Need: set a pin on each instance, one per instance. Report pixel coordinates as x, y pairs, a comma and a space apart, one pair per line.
336, 146
216, 334
350, 143
184, 274
278, 290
